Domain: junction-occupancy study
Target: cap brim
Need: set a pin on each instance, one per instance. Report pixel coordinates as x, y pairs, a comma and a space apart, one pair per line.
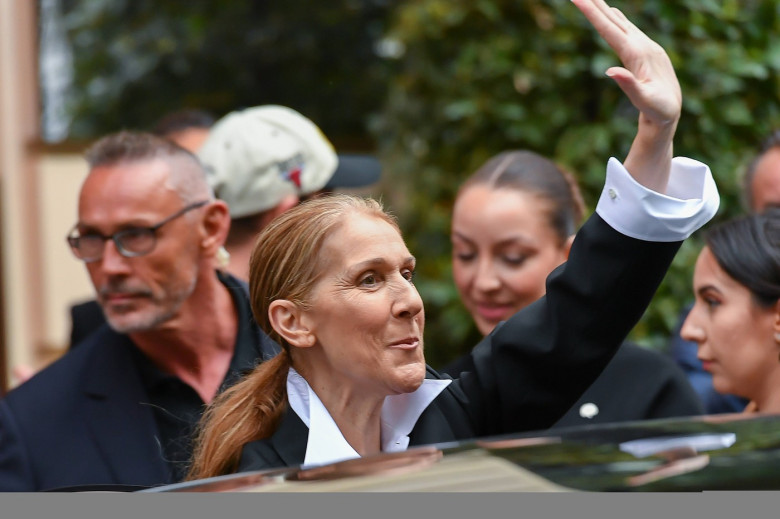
355, 171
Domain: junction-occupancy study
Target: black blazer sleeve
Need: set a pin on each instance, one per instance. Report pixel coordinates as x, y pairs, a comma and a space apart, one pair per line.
529, 371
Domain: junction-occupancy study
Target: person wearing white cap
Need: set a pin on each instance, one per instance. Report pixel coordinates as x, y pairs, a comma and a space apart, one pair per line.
266, 159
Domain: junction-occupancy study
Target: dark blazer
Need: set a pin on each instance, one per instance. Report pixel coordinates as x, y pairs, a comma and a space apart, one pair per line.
83, 421
80, 421
85, 318
637, 384
529, 371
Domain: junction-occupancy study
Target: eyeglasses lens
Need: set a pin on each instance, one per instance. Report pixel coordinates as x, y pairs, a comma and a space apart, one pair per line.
131, 243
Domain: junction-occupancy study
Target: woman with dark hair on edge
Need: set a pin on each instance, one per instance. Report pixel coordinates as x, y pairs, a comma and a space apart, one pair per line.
500, 269
332, 281
735, 319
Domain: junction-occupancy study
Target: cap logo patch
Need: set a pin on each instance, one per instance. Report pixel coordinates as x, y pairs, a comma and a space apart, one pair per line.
291, 169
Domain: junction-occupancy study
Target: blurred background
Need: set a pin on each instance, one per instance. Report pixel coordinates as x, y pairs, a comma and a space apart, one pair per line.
431, 87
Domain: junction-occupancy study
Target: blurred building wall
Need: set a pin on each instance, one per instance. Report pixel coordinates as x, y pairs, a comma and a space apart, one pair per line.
64, 278
18, 130
38, 278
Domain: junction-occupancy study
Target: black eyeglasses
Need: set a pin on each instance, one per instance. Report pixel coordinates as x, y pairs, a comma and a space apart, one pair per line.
132, 242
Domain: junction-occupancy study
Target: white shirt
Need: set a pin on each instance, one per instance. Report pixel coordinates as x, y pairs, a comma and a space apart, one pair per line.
326, 444
627, 206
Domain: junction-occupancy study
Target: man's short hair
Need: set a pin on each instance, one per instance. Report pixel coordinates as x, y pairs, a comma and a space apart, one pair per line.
187, 174
127, 146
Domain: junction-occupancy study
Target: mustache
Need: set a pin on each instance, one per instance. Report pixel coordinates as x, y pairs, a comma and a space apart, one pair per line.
124, 287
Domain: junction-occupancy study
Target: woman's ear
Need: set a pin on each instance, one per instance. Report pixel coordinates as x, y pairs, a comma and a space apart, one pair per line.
287, 319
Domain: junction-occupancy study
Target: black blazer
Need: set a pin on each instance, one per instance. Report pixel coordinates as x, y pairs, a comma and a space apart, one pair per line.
83, 421
85, 318
637, 384
80, 421
529, 371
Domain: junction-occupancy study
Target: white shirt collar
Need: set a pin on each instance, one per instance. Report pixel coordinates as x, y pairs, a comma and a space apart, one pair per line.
326, 444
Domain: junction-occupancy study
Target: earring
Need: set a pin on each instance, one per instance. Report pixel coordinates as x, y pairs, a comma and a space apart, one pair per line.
223, 260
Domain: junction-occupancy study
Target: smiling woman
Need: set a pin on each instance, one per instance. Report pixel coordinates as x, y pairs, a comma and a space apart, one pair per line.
499, 269
331, 281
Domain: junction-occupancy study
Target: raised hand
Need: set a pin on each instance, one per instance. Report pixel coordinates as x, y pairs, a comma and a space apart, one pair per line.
648, 79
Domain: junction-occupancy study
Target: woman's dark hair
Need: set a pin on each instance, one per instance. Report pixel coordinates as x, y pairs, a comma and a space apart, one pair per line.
529, 172
748, 249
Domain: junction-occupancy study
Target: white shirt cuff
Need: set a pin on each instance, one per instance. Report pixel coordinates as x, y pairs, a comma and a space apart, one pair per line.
638, 212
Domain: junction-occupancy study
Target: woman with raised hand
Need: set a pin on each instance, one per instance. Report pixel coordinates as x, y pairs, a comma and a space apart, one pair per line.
735, 319
332, 281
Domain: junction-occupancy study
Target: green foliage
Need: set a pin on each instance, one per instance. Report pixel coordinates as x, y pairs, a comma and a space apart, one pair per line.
475, 77
138, 60
481, 76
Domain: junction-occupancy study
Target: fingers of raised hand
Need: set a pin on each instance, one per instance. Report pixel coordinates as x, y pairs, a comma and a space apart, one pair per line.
608, 22
613, 15
659, 99
648, 79
623, 36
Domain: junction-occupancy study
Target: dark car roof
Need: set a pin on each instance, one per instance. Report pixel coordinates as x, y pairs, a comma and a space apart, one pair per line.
718, 452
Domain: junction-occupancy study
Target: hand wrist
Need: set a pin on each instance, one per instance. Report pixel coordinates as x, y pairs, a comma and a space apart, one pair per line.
655, 135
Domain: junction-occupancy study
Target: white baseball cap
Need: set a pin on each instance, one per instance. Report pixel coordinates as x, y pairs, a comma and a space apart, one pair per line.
256, 157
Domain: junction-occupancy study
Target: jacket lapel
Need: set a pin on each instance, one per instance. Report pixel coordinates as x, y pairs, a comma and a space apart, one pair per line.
445, 420
290, 439
432, 427
123, 428
285, 448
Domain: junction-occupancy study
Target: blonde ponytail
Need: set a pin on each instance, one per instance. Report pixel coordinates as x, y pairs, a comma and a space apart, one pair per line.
248, 411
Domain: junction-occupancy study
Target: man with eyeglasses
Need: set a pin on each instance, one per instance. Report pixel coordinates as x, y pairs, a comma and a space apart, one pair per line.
188, 128
261, 161
121, 408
